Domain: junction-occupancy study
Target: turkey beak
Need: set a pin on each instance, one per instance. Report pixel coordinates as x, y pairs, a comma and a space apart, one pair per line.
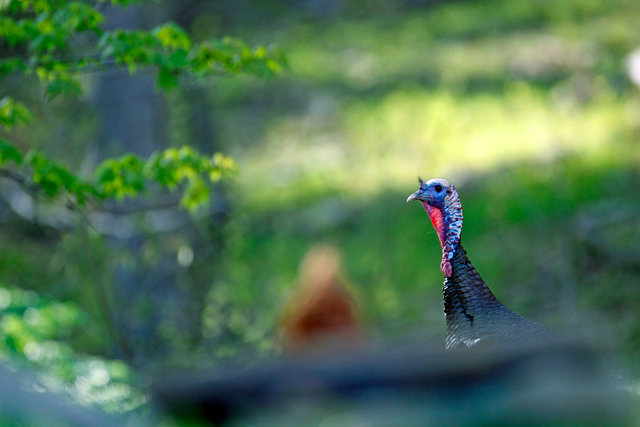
414, 196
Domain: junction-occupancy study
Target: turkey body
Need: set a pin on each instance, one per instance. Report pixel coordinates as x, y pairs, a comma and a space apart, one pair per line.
474, 314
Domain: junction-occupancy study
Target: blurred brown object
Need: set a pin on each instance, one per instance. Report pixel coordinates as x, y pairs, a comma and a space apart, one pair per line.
322, 313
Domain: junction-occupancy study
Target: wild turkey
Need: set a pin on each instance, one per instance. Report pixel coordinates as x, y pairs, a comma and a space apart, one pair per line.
322, 314
472, 312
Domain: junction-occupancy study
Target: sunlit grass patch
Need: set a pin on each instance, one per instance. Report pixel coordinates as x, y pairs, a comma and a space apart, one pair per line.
363, 147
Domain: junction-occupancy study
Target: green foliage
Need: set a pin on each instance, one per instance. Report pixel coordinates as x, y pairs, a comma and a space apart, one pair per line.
234, 56
9, 153
55, 42
169, 48
52, 178
120, 177
41, 33
34, 333
13, 113
40, 37
127, 175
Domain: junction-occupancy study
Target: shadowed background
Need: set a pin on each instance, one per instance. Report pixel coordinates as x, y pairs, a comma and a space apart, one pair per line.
527, 107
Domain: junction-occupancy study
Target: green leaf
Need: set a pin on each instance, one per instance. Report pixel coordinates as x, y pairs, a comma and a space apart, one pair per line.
9, 153
167, 79
178, 59
52, 178
63, 84
120, 177
13, 113
196, 195
222, 166
79, 17
171, 35
9, 65
11, 31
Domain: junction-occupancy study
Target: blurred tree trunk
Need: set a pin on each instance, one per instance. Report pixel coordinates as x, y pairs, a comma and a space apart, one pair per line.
156, 304
133, 116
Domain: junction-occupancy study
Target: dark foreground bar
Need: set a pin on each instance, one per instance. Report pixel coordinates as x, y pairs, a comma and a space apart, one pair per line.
552, 382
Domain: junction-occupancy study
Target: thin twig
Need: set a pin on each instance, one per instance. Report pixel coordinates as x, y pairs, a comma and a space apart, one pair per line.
168, 202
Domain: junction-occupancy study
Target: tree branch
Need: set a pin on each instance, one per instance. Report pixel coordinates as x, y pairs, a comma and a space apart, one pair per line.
131, 208
20, 179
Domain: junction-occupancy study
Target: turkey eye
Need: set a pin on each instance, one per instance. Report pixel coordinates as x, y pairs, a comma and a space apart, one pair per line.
438, 188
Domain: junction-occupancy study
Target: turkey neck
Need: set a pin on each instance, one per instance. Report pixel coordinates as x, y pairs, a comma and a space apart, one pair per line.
465, 291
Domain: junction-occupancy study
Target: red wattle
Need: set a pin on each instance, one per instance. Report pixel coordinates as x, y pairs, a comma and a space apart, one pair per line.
445, 266
437, 219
